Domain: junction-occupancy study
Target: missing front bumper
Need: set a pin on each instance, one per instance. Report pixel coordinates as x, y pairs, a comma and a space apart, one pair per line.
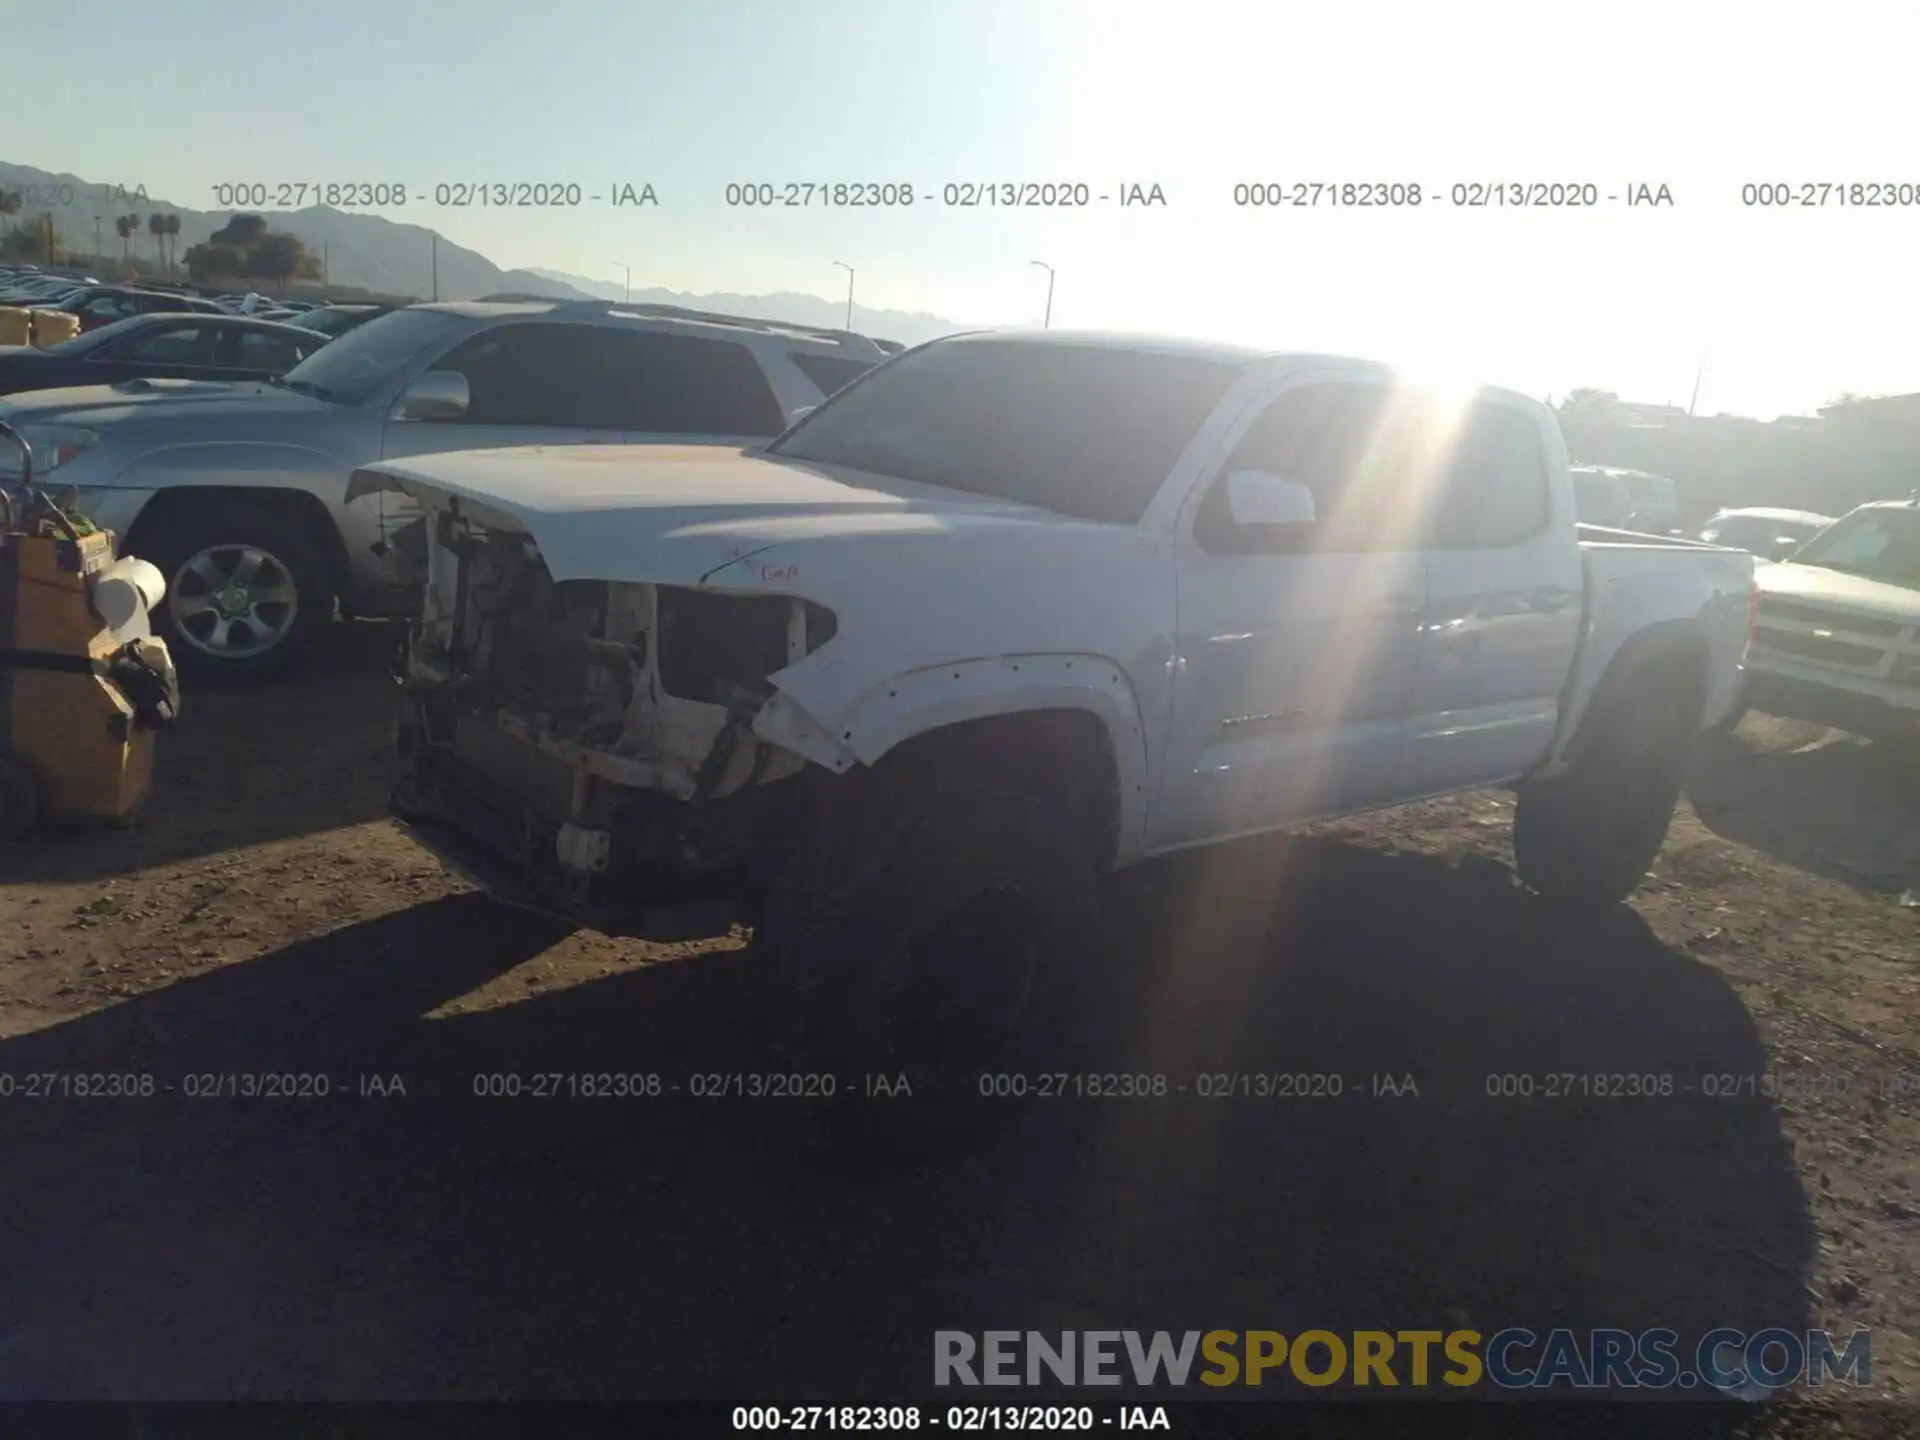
513, 828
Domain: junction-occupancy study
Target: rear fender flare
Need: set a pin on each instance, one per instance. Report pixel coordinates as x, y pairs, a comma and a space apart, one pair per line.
1666, 642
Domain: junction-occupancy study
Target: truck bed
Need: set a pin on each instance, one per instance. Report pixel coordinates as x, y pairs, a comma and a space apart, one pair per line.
1635, 581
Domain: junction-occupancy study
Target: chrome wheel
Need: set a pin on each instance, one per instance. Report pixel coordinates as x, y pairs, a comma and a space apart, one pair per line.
233, 601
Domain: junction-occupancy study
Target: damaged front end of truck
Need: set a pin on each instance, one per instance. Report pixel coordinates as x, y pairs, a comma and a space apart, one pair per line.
602, 746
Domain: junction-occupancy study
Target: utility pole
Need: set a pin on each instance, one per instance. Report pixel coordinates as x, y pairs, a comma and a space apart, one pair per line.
626, 285
1696, 384
849, 269
99, 245
436, 263
325, 248
1048, 322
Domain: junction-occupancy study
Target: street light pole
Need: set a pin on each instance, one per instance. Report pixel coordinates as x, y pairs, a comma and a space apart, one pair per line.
1046, 323
436, 263
626, 285
849, 269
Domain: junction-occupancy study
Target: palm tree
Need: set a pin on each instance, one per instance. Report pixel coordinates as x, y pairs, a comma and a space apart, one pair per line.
173, 233
10, 201
157, 227
123, 227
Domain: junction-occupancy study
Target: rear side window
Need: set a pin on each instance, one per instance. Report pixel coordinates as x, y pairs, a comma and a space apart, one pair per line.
275, 354
829, 372
689, 385
1496, 492
1398, 468
117, 306
568, 376
167, 345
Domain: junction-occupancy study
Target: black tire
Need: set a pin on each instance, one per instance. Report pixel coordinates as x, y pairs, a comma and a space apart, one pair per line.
1588, 835
295, 563
921, 931
19, 800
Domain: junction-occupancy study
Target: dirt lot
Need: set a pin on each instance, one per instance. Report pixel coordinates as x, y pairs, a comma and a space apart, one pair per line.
268, 918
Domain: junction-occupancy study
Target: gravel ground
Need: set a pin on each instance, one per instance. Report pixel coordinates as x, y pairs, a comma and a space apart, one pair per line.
267, 919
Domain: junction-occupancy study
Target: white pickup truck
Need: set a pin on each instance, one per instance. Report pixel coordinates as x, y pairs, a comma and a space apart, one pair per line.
1014, 609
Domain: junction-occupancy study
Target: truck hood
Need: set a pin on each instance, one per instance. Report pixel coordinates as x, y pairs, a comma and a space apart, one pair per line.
1812, 583
683, 514
153, 400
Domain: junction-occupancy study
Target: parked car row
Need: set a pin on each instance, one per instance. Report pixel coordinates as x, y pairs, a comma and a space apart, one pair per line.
166, 345
97, 303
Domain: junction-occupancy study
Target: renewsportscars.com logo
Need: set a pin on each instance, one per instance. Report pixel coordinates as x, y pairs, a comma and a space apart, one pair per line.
1732, 1362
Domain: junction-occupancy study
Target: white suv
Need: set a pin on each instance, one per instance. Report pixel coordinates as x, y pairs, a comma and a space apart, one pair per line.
239, 491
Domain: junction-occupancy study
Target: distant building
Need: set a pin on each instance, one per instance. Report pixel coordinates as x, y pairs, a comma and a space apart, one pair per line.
1880, 411
1633, 414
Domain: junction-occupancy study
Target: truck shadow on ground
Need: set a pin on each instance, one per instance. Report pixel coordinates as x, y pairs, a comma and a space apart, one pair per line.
244, 766
450, 1246
1821, 801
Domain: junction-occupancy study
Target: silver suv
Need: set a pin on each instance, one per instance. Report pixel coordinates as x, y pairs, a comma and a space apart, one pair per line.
238, 492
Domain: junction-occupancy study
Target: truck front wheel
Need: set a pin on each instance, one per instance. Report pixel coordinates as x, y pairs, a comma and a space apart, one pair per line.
1588, 834
915, 934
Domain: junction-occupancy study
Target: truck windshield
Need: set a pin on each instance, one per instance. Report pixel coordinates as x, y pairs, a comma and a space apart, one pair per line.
1083, 430
354, 368
1880, 544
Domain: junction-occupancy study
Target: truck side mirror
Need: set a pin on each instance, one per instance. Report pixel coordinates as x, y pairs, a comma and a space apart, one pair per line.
436, 395
1257, 498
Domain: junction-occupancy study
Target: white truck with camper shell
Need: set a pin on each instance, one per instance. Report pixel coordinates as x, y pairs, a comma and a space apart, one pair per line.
1015, 609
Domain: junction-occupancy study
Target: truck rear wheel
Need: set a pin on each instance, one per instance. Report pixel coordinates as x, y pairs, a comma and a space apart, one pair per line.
1589, 834
916, 935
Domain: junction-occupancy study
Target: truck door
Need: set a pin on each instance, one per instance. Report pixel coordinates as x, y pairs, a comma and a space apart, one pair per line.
1296, 640
1504, 604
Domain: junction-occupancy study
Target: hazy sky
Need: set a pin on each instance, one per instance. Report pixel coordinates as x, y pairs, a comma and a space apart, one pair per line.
1792, 306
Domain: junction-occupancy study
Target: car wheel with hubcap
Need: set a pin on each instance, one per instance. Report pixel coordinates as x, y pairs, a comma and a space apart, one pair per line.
248, 590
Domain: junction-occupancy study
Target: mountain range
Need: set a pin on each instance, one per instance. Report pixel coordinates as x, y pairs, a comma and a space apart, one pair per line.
390, 257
